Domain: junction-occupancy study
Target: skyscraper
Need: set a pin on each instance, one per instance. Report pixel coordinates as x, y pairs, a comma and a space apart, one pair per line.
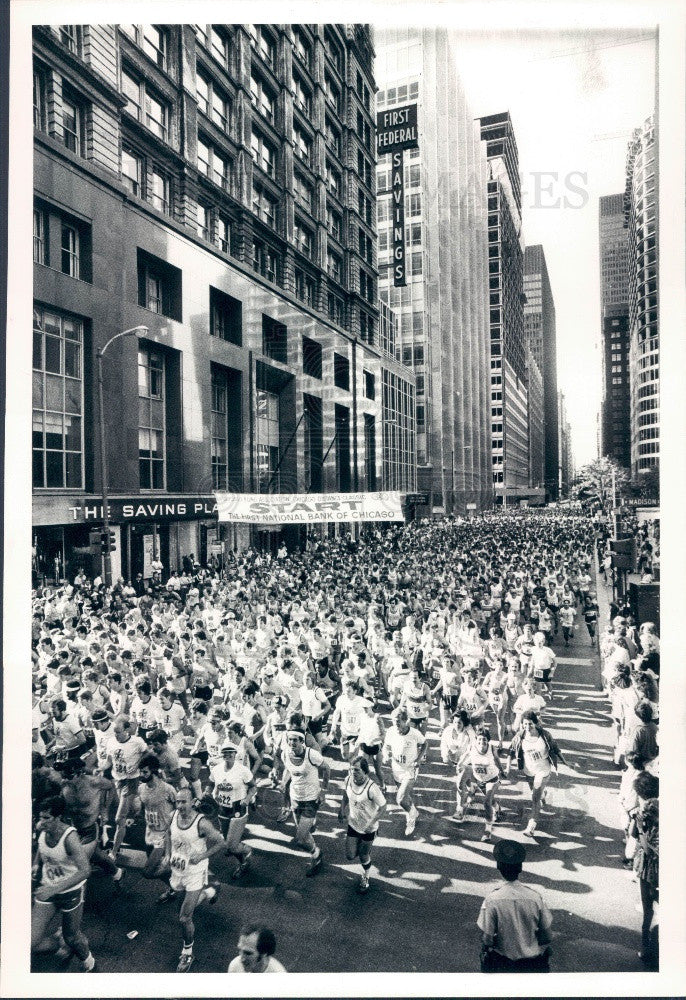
539, 327
640, 202
443, 320
615, 421
509, 403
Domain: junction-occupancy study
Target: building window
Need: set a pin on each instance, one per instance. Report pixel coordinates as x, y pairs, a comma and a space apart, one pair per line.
264, 260
57, 400
333, 94
154, 44
369, 385
151, 419
70, 251
366, 327
226, 317
132, 172
336, 309
39, 103
303, 145
263, 205
261, 98
70, 35
333, 180
334, 224
334, 266
160, 191
334, 52
415, 204
302, 48
303, 239
159, 286
145, 106
305, 288
302, 191
220, 434
416, 263
203, 221
341, 372
219, 47
214, 166
267, 435
39, 230
73, 116
263, 154
274, 340
302, 96
370, 451
263, 42
312, 358
213, 102
223, 233
333, 138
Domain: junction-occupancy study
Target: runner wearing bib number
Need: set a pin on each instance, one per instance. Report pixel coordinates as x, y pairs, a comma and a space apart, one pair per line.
495, 686
125, 752
485, 771
404, 747
416, 700
363, 804
189, 843
158, 800
302, 766
233, 784
64, 870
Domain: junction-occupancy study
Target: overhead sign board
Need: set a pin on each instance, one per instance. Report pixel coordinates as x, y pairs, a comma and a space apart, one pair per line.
308, 508
417, 498
396, 129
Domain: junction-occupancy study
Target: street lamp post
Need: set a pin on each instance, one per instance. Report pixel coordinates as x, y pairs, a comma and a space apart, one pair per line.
107, 553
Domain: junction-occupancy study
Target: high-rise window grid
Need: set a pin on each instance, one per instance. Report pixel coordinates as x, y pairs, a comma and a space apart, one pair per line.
145, 106
151, 419
151, 38
267, 441
57, 399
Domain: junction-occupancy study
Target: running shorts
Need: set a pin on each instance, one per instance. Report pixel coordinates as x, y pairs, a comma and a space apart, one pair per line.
367, 837
305, 810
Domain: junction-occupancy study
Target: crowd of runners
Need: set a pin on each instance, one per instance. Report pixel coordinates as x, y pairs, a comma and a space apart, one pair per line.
184, 703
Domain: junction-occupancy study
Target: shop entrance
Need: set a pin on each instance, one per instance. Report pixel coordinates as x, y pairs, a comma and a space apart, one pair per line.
148, 540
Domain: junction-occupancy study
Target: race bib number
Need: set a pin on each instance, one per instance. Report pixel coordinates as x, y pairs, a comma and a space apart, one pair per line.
53, 873
224, 797
480, 770
152, 819
536, 755
400, 758
496, 698
178, 863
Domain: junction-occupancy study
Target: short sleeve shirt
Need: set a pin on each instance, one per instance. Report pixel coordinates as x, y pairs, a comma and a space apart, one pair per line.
513, 915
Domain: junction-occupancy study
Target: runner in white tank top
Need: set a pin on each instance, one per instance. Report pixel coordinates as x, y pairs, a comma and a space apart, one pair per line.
363, 803
486, 771
189, 843
64, 870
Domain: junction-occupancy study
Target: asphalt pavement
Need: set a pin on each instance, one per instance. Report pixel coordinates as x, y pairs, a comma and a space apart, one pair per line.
420, 914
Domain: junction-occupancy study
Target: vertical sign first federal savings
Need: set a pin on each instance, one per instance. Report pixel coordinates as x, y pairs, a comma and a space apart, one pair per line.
396, 131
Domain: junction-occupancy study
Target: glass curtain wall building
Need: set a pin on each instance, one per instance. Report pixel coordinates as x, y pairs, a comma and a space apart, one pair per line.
442, 310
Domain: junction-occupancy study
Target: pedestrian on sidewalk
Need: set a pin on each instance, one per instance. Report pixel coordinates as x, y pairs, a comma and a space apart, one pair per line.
514, 920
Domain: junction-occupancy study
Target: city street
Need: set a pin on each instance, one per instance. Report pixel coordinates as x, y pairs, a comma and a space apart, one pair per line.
420, 914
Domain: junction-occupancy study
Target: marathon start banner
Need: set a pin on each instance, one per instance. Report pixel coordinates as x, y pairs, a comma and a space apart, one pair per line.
304, 508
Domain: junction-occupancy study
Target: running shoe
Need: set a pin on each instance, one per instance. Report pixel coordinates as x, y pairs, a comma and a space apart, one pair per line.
314, 865
530, 828
243, 865
166, 896
213, 899
411, 821
486, 837
363, 884
458, 816
118, 878
185, 961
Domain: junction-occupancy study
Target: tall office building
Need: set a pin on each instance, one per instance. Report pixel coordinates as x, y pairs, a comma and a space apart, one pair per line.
640, 202
213, 187
398, 402
540, 334
442, 310
615, 414
535, 418
510, 433
564, 435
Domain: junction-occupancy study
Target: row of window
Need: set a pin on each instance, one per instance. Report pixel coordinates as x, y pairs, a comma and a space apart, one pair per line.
58, 398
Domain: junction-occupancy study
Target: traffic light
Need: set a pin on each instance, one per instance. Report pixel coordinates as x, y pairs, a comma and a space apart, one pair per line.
103, 539
623, 553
